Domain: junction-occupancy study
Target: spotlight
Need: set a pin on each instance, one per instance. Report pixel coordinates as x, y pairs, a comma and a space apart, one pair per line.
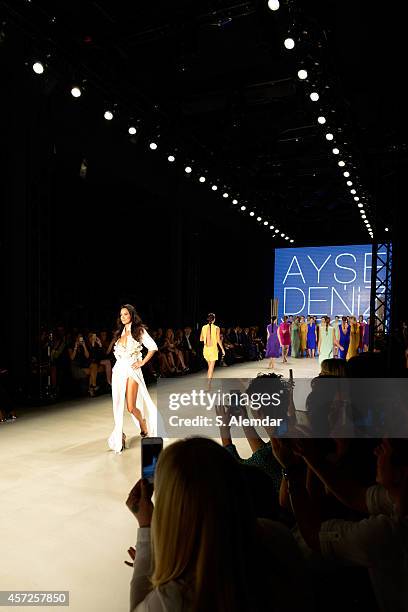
289, 43
252, 214
225, 194
271, 227
352, 191
335, 150
386, 229
214, 187
360, 205
171, 158
202, 179
356, 198
286, 237
329, 136
276, 231
259, 218
364, 217
132, 130
38, 67
346, 174
341, 163
108, 115
76, 92
153, 147
188, 169
282, 235
362, 211
265, 223
302, 74
314, 96
243, 207
235, 201
349, 183
292, 240
273, 5
321, 120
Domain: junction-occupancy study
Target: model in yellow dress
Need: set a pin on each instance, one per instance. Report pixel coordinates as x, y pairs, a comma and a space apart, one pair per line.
210, 335
354, 338
303, 336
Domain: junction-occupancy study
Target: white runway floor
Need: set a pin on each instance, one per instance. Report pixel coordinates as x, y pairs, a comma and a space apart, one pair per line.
64, 524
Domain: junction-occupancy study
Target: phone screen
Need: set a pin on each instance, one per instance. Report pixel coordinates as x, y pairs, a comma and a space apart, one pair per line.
151, 449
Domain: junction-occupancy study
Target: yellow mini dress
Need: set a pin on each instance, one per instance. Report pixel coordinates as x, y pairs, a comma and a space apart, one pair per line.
210, 351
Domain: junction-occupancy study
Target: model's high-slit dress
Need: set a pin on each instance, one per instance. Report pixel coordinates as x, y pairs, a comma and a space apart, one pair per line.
125, 357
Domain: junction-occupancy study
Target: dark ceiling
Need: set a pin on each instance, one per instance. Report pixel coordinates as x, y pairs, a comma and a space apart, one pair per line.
212, 81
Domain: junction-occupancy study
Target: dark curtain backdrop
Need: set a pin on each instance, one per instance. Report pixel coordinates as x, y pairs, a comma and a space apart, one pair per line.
135, 229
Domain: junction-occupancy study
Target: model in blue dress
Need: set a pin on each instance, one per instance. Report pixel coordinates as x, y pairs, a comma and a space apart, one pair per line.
311, 337
344, 338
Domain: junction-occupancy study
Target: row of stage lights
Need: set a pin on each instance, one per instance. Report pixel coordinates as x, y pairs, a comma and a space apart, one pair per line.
289, 43
76, 92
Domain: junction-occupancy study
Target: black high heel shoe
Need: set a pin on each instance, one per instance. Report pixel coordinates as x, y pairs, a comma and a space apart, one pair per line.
123, 442
144, 433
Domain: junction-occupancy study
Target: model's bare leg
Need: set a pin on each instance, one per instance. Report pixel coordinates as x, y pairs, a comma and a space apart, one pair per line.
210, 372
131, 394
271, 363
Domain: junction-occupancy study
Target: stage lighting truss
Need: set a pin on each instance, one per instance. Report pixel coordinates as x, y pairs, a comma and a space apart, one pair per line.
381, 292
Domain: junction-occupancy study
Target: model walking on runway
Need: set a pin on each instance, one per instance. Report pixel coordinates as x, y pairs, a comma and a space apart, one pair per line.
128, 385
210, 335
272, 343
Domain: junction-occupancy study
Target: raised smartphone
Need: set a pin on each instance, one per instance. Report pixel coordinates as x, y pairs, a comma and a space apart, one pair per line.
151, 449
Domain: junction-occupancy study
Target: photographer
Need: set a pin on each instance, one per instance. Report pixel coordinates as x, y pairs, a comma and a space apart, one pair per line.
81, 366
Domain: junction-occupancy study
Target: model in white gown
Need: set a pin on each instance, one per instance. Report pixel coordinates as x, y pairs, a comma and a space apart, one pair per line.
126, 356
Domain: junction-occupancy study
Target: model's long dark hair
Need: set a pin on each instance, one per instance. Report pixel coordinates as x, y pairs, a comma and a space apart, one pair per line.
210, 319
273, 321
137, 326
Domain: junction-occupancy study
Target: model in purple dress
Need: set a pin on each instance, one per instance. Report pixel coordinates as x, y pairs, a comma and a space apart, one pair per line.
272, 343
344, 339
366, 336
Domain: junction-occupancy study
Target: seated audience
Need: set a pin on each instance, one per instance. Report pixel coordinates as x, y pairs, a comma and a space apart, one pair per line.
173, 353
81, 366
97, 355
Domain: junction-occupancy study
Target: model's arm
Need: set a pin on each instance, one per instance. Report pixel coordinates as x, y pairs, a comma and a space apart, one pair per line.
151, 346
219, 341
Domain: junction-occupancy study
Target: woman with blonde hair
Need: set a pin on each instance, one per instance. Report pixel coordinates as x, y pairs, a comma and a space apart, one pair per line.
210, 335
210, 553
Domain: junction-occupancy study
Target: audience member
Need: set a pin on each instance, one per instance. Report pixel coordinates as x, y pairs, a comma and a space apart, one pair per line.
202, 546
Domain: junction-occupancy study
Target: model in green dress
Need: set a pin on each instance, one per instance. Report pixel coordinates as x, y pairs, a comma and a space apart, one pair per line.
326, 340
295, 337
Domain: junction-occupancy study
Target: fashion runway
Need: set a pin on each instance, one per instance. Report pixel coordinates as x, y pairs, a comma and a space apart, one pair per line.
64, 522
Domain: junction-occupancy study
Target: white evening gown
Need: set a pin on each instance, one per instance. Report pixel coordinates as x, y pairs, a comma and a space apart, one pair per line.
122, 370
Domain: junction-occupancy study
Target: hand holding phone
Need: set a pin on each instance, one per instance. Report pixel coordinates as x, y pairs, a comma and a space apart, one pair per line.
151, 449
140, 504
